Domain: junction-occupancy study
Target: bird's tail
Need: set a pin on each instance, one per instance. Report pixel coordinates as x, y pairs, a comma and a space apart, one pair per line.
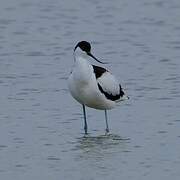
123, 95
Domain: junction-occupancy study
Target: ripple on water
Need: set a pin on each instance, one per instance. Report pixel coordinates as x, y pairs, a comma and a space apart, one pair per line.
35, 53
6, 21
3, 146
164, 60
53, 158
102, 142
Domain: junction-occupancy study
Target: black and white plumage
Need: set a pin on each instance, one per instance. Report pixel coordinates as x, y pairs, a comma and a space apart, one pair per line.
91, 85
111, 91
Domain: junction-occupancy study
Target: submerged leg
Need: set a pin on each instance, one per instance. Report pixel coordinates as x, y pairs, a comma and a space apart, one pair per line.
107, 127
85, 122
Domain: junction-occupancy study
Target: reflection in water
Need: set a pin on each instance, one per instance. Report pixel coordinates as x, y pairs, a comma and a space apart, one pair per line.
94, 154
101, 146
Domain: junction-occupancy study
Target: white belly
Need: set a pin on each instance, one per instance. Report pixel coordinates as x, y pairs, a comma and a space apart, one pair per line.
88, 93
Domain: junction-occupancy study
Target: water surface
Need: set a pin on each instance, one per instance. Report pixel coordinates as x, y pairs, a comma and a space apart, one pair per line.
41, 126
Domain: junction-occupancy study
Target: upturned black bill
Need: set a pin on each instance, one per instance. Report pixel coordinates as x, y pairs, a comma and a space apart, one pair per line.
95, 58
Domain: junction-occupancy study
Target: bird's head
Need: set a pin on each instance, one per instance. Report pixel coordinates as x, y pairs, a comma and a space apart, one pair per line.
83, 48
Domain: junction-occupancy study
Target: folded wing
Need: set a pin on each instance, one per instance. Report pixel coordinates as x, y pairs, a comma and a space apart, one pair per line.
107, 84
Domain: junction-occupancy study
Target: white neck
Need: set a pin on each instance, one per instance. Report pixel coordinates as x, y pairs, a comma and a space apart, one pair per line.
82, 68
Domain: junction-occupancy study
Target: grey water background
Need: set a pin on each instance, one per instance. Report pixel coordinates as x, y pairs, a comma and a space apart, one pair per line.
41, 125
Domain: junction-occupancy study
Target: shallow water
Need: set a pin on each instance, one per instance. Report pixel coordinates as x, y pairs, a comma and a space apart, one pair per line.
41, 126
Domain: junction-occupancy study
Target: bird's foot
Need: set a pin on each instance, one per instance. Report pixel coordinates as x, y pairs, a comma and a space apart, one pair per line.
107, 131
85, 130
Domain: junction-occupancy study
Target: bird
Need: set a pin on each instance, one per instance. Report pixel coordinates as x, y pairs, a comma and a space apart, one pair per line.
93, 86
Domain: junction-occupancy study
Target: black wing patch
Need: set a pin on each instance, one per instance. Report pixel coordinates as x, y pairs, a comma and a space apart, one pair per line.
98, 71
110, 96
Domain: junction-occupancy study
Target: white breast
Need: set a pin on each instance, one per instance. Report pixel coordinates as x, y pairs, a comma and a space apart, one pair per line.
83, 86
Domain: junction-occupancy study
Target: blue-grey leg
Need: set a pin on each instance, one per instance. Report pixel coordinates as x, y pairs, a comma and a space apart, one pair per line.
85, 122
107, 127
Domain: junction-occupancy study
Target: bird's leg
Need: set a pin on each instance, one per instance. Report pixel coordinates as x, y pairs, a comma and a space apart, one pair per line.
85, 122
107, 127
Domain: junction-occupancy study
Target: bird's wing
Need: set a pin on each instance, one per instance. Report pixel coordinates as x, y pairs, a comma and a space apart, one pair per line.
107, 83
